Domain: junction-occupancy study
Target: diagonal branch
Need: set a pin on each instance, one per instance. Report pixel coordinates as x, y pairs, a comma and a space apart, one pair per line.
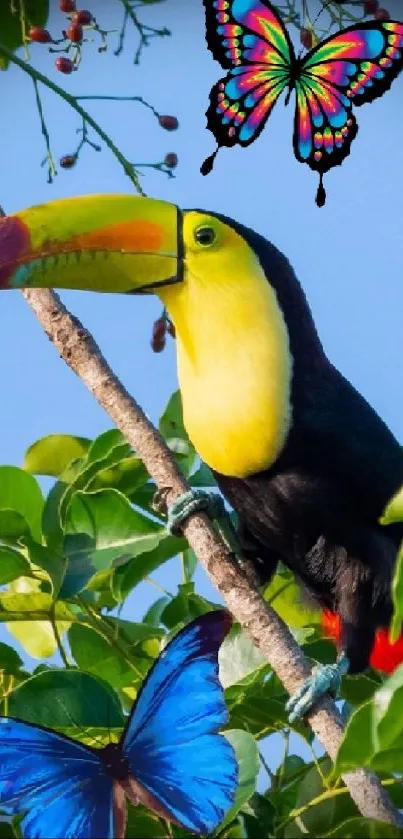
268, 632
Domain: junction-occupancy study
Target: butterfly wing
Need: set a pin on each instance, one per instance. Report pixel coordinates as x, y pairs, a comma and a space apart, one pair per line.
353, 67
60, 784
248, 38
171, 739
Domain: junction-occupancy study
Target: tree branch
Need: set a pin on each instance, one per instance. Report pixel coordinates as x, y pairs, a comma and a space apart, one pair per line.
266, 629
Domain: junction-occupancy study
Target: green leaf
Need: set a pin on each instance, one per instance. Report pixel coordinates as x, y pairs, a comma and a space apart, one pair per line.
247, 755
128, 475
360, 828
259, 816
37, 637
358, 689
173, 430
186, 606
12, 525
238, 657
153, 614
318, 818
36, 13
127, 576
7, 830
387, 716
189, 564
51, 562
66, 699
357, 745
107, 450
285, 596
21, 493
51, 518
115, 528
397, 593
143, 824
10, 661
103, 530
52, 454
394, 510
105, 659
235, 830
31, 607
203, 477
13, 564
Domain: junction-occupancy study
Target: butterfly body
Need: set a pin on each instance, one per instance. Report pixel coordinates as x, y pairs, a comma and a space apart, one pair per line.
116, 765
170, 756
353, 67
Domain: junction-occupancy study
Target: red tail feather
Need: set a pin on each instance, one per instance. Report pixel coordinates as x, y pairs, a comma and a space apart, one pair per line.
385, 656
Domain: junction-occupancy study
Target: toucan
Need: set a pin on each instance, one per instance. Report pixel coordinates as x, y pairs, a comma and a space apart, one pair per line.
305, 462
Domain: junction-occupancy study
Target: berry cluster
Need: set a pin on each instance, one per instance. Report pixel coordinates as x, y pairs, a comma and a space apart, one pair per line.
370, 7
161, 327
81, 21
72, 38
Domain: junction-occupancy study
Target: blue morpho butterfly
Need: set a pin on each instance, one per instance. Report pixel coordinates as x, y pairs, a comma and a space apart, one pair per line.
170, 756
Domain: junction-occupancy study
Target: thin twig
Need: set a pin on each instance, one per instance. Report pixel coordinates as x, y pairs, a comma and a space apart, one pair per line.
52, 171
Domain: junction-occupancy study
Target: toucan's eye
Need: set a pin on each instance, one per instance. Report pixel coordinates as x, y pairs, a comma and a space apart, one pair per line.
205, 236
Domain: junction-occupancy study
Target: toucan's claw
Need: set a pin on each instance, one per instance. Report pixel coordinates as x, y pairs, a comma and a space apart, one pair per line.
198, 500
325, 678
194, 501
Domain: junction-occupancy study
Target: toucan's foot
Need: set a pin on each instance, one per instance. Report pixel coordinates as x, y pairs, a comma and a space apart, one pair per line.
194, 501
198, 500
325, 678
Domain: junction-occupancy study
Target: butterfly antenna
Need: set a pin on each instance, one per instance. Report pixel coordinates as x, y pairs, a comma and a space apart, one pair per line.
321, 193
208, 164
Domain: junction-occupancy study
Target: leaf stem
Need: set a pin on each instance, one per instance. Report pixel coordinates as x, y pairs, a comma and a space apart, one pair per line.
62, 651
324, 796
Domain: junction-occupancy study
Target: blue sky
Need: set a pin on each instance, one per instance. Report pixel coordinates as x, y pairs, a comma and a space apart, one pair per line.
348, 255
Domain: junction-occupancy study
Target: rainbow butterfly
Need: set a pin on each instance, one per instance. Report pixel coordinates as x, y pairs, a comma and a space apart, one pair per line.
350, 68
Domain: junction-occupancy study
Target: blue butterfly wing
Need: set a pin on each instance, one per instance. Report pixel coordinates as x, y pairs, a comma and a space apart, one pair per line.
172, 740
60, 784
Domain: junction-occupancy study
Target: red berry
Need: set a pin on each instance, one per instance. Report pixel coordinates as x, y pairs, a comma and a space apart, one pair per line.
67, 6
159, 328
67, 161
75, 33
41, 36
370, 7
83, 16
158, 335
171, 160
64, 65
168, 122
382, 14
306, 38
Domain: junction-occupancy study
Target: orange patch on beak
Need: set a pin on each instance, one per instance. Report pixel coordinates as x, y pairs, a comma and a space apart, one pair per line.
130, 236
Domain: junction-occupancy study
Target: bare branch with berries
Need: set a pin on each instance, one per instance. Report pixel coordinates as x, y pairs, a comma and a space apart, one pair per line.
81, 25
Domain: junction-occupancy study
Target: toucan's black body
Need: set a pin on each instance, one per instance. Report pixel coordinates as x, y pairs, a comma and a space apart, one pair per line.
317, 507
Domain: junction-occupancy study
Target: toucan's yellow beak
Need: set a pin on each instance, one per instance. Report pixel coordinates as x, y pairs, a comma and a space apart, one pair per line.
109, 243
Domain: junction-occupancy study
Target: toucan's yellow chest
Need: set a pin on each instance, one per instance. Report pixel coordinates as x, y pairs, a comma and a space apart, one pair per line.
234, 368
